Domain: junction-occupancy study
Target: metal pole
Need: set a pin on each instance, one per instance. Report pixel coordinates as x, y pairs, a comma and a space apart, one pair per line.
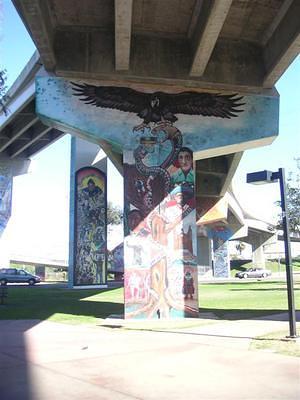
288, 258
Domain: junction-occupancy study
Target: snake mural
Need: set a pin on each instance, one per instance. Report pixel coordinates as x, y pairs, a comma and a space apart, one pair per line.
160, 279
144, 178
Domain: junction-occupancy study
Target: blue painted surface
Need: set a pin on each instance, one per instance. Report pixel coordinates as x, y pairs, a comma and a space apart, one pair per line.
221, 267
220, 235
57, 106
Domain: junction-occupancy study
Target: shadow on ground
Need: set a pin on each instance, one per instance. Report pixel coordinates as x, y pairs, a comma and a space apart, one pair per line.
32, 305
14, 371
38, 303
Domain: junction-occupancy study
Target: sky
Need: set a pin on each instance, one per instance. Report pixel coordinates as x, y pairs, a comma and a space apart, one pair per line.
259, 200
39, 221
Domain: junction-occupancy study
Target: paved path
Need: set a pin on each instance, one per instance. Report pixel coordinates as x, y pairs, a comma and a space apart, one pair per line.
46, 360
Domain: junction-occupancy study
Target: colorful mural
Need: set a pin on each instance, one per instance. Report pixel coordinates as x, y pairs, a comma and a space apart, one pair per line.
158, 133
160, 244
90, 222
109, 113
116, 259
220, 234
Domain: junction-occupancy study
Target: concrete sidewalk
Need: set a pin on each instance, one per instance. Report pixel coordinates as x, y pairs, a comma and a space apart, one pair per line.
47, 360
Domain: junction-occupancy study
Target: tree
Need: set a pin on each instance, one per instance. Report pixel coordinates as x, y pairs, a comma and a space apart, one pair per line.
114, 214
3, 89
293, 200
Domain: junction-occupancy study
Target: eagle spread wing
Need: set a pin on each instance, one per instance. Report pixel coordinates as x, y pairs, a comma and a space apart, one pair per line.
130, 100
207, 104
120, 98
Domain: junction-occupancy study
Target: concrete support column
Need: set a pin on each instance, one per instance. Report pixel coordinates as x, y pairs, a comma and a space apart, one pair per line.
88, 221
6, 181
221, 262
258, 255
8, 169
160, 228
40, 270
258, 240
220, 234
204, 254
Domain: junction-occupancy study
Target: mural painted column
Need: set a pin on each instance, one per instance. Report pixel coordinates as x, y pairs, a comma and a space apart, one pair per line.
88, 210
160, 227
90, 262
220, 234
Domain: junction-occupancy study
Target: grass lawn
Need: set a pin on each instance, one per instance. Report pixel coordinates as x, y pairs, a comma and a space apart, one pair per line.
275, 343
226, 300
245, 299
61, 305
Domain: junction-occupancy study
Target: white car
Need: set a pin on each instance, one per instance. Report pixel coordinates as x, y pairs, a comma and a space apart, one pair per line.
254, 273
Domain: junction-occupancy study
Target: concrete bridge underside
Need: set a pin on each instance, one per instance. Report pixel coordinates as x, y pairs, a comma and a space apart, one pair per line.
233, 44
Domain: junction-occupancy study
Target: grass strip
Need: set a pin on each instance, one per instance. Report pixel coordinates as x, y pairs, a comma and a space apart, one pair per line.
276, 342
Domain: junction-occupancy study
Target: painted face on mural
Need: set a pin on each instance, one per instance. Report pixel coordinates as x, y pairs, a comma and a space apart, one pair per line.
92, 188
185, 160
91, 185
154, 102
179, 198
134, 219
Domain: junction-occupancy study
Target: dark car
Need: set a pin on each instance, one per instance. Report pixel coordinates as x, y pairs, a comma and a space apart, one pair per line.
13, 275
253, 273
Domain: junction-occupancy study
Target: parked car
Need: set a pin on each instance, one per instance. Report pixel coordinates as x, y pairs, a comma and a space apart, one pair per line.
13, 275
253, 273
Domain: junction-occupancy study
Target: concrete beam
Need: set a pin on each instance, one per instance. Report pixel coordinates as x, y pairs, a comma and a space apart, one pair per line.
17, 104
233, 164
18, 129
276, 21
51, 137
163, 61
283, 46
36, 132
26, 76
123, 23
36, 17
195, 18
16, 167
115, 158
209, 36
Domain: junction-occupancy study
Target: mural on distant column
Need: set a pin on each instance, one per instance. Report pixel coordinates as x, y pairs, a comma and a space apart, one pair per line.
116, 259
90, 225
220, 234
160, 219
